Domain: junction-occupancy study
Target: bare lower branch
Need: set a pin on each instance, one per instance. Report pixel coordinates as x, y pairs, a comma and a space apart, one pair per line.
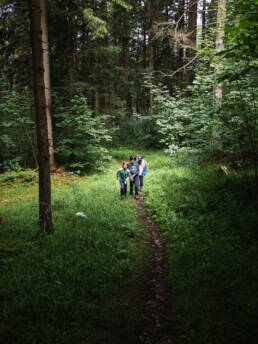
178, 70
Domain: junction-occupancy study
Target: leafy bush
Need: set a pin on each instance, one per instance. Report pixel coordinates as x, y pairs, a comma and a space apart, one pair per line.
17, 130
9, 177
193, 124
24, 176
28, 176
140, 128
80, 137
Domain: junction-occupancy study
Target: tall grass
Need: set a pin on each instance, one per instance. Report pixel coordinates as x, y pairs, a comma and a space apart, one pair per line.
63, 287
210, 223
72, 286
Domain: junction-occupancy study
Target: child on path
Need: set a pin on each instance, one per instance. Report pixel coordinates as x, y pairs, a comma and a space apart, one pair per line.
123, 174
134, 176
143, 168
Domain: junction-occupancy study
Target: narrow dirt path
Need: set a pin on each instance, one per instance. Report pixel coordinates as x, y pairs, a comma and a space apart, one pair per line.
154, 323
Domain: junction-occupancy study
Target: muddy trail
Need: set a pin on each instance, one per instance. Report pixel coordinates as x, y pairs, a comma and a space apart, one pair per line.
154, 325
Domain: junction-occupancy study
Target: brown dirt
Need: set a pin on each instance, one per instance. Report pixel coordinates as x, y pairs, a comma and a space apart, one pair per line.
154, 325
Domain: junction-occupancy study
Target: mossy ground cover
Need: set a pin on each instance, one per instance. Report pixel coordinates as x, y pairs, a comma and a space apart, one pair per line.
69, 286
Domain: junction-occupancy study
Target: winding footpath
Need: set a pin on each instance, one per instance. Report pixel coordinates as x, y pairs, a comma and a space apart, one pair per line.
155, 323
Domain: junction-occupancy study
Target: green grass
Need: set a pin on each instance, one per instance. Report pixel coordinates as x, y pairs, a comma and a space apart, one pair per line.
80, 284
68, 287
210, 223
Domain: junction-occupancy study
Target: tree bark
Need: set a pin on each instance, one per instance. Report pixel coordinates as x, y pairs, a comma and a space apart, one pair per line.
151, 50
218, 90
45, 214
45, 49
127, 95
192, 26
203, 19
219, 44
180, 52
96, 101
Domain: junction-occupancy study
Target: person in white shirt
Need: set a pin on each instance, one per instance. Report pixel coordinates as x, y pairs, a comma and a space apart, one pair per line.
143, 169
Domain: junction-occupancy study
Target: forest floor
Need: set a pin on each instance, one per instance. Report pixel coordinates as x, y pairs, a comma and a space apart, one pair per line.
176, 266
155, 321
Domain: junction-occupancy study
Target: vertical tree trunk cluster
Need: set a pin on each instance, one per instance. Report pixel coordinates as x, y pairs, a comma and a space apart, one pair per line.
42, 106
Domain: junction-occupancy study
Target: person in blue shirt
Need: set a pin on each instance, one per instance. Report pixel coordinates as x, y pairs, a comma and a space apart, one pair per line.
133, 168
143, 169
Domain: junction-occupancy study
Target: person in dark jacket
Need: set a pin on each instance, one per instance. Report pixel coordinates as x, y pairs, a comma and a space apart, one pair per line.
133, 168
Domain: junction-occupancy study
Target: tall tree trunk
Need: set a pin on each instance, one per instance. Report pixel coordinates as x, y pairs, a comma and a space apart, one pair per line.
96, 101
203, 19
45, 214
151, 50
217, 90
127, 95
71, 48
180, 52
221, 16
45, 49
151, 67
192, 26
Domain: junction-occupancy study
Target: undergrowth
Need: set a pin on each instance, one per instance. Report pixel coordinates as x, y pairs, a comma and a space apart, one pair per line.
75, 284
66, 287
210, 223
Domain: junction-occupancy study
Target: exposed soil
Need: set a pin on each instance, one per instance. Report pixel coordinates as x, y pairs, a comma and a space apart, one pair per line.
154, 325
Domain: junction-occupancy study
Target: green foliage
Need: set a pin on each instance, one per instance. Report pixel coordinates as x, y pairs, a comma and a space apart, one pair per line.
95, 24
186, 123
238, 116
140, 128
242, 32
193, 124
80, 137
210, 224
74, 277
17, 129
23, 176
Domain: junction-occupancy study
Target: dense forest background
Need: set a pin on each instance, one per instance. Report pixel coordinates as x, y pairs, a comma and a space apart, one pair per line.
180, 74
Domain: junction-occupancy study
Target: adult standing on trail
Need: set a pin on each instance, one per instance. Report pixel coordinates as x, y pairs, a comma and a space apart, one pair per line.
143, 169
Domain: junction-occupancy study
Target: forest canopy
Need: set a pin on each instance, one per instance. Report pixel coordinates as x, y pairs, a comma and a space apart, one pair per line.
180, 74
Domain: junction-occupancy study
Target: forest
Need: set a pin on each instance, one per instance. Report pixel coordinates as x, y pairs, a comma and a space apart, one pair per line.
165, 95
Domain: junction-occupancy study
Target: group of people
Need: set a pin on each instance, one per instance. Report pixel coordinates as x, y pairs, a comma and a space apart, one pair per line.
134, 171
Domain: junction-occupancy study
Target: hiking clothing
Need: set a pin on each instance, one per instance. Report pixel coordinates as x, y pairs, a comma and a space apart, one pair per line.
142, 167
135, 182
133, 168
123, 174
123, 188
